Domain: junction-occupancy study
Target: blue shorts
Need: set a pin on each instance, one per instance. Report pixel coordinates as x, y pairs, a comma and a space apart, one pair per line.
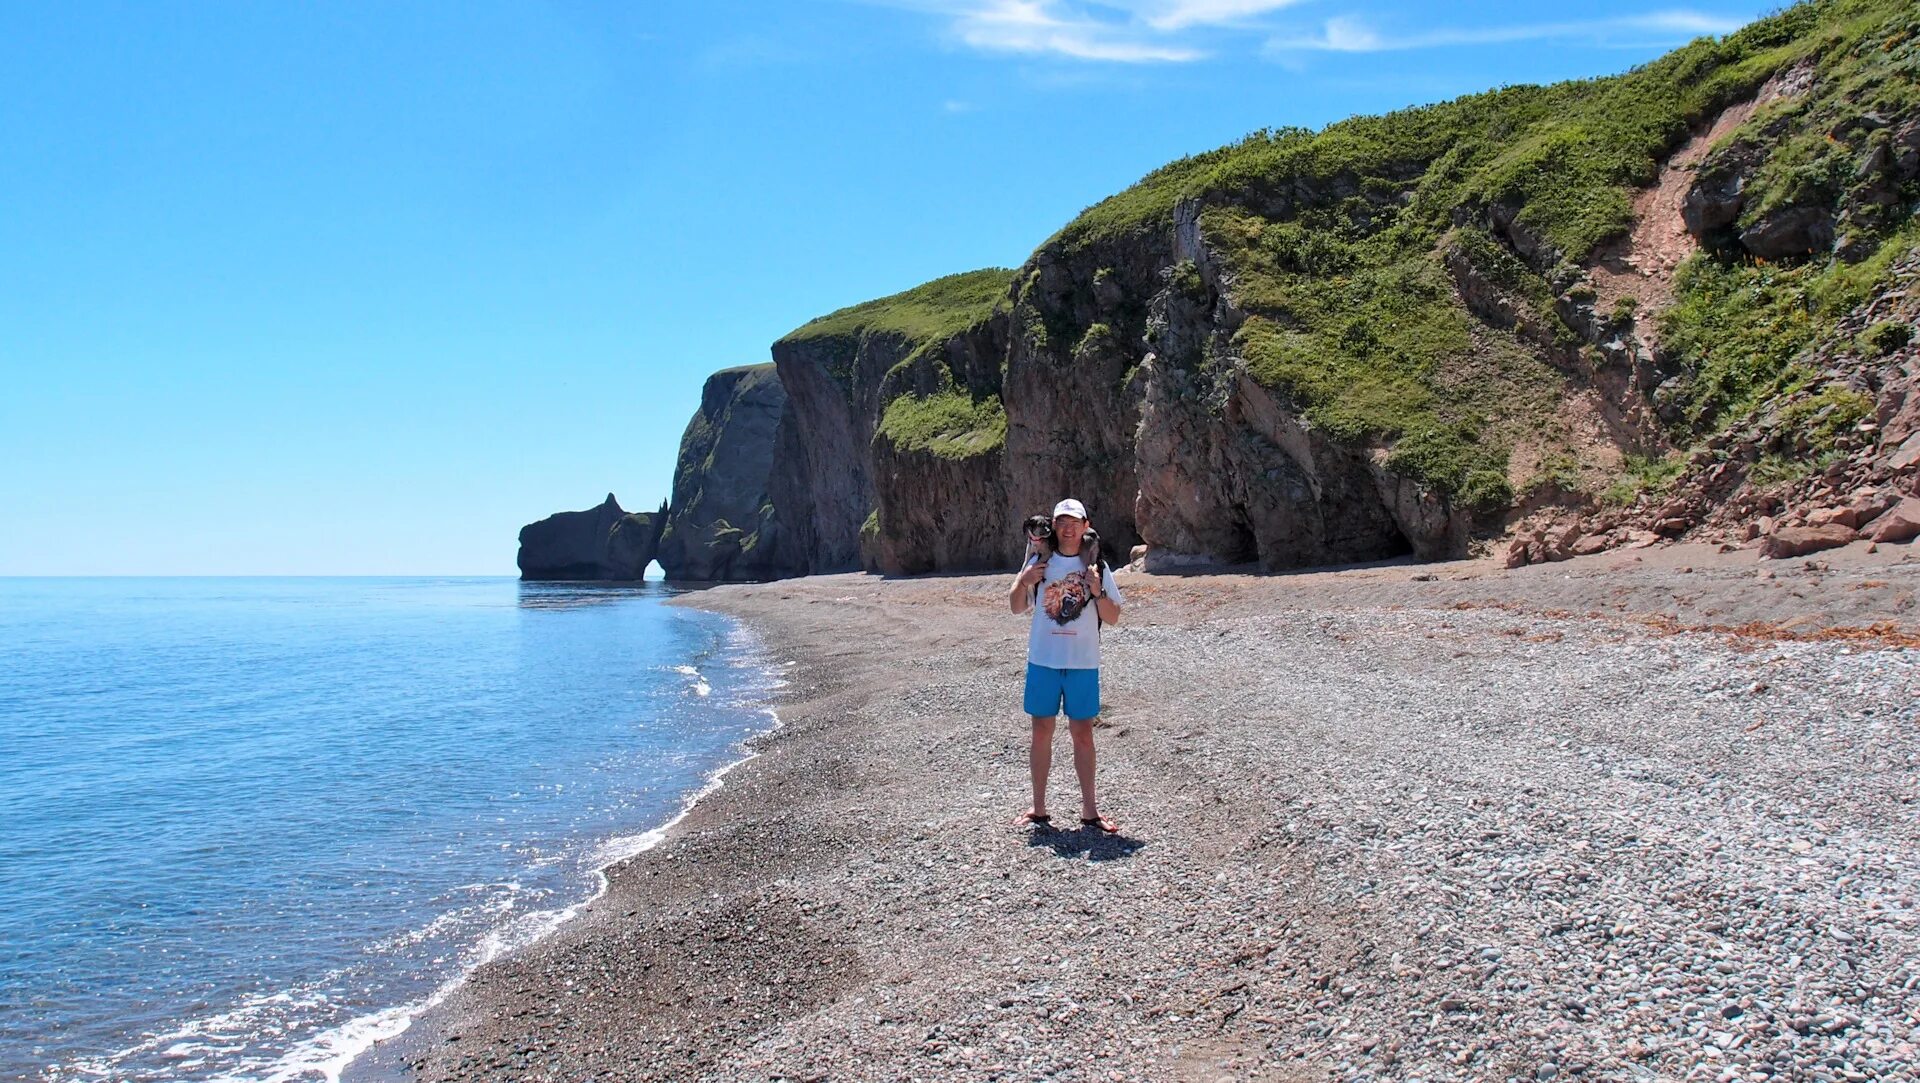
1048, 687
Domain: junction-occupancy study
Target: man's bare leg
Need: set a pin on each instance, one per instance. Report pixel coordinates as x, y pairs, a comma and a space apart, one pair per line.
1040, 764
1082, 731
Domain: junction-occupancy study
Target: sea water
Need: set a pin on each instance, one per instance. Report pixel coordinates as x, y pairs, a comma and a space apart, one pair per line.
248, 826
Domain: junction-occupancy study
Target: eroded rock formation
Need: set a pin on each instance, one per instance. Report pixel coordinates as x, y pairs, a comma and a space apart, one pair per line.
602, 543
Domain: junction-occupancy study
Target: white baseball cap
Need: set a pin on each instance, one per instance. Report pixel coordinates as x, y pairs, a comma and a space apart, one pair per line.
1070, 507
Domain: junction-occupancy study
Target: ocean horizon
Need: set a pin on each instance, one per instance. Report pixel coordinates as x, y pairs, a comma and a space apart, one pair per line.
257, 823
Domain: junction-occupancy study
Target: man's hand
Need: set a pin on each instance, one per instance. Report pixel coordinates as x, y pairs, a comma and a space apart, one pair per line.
1033, 575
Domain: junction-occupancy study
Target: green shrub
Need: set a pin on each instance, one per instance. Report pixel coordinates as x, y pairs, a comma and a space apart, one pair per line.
1452, 461
949, 425
1776, 468
1883, 338
1186, 280
1816, 423
1099, 337
1486, 491
1644, 475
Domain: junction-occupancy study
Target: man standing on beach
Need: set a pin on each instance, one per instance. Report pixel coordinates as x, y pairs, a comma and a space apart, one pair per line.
1076, 594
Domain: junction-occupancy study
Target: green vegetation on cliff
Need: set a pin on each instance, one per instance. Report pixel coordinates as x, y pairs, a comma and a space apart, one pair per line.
1567, 156
930, 312
1737, 324
947, 425
951, 422
1350, 251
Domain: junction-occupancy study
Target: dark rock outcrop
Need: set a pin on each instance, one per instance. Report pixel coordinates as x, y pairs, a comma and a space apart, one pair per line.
724, 524
833, 391
603, 543
1790, 231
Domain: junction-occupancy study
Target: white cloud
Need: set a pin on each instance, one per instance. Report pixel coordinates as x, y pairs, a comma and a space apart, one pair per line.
1180, 14
1043, 26
1350, 35
1178, 31
1346, 34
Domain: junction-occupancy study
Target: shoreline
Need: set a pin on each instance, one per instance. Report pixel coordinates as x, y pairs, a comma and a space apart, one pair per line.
399, 1033
858, 904
384, 1056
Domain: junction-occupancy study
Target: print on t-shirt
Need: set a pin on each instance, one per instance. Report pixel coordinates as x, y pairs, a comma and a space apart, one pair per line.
1065, 598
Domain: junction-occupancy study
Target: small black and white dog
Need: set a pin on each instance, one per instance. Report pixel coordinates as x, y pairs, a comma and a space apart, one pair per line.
1039, 532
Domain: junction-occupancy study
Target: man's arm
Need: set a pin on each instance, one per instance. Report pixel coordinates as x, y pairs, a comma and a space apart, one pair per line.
1020, 595
1103, 602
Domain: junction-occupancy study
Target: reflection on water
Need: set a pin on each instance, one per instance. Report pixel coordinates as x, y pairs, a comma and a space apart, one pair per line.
552, 594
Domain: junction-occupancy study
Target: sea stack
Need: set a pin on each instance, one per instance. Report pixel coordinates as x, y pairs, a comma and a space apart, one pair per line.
604, 542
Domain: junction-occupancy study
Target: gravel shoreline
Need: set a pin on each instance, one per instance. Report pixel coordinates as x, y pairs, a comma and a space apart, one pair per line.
1413, 822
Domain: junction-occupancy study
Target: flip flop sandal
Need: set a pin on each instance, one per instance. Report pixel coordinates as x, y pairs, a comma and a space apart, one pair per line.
1101, 824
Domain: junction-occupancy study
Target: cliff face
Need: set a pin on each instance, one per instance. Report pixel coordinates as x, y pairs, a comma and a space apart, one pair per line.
599, 543
723, 523
899, 428
1404, 332
1577, 315
939, 465
832, 390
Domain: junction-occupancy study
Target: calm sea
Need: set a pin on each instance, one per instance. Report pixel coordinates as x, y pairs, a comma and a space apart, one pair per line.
247, 826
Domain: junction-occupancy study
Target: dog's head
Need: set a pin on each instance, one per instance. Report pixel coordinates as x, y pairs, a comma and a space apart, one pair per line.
1039, 532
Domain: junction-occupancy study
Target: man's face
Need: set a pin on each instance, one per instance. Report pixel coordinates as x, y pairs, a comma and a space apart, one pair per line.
1067, 530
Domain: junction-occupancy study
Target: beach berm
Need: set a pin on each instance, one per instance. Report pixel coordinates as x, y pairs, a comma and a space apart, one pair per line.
1642, 815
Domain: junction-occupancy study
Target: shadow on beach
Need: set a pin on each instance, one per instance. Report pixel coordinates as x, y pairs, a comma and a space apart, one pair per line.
1096, 845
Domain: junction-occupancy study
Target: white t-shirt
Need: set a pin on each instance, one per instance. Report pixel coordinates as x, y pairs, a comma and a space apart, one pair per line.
1066, 627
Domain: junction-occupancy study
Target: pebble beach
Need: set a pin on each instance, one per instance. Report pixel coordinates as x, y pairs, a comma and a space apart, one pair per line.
1646, 815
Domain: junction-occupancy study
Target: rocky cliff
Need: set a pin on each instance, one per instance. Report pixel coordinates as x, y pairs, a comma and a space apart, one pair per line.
1402, 333
723, 523
599, 543
898, 430
1557, 318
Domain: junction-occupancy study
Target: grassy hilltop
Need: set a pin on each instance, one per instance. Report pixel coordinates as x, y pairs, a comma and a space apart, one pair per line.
1337, 241
948, 421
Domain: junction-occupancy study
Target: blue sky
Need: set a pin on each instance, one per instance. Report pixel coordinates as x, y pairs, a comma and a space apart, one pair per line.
358, 288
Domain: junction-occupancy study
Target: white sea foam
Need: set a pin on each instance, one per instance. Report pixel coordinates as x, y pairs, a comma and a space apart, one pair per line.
700, 685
